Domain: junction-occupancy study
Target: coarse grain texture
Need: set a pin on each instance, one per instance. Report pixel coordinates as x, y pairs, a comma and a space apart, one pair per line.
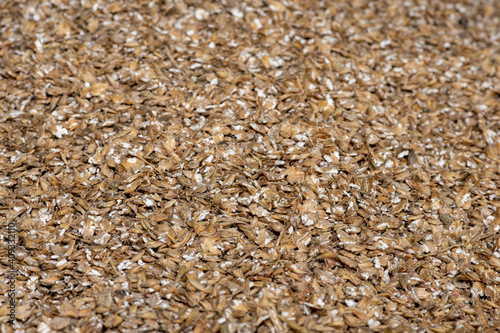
251, 166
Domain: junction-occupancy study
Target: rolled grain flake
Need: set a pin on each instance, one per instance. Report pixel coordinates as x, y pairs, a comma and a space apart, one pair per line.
98, 88
49, 281
266, 62
294, 175
59, 131
169, 144
201, 14
208, 246
277, 6
43, 328
113, 321
463, 199
62, 29
412, 157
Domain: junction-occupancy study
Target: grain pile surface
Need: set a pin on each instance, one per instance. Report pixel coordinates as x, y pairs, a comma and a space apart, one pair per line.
251, 166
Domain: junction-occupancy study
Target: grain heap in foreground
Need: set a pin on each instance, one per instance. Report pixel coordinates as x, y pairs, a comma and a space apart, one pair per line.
251, 166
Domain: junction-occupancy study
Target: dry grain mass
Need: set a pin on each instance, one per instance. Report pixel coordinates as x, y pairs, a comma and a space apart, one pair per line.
251, 166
